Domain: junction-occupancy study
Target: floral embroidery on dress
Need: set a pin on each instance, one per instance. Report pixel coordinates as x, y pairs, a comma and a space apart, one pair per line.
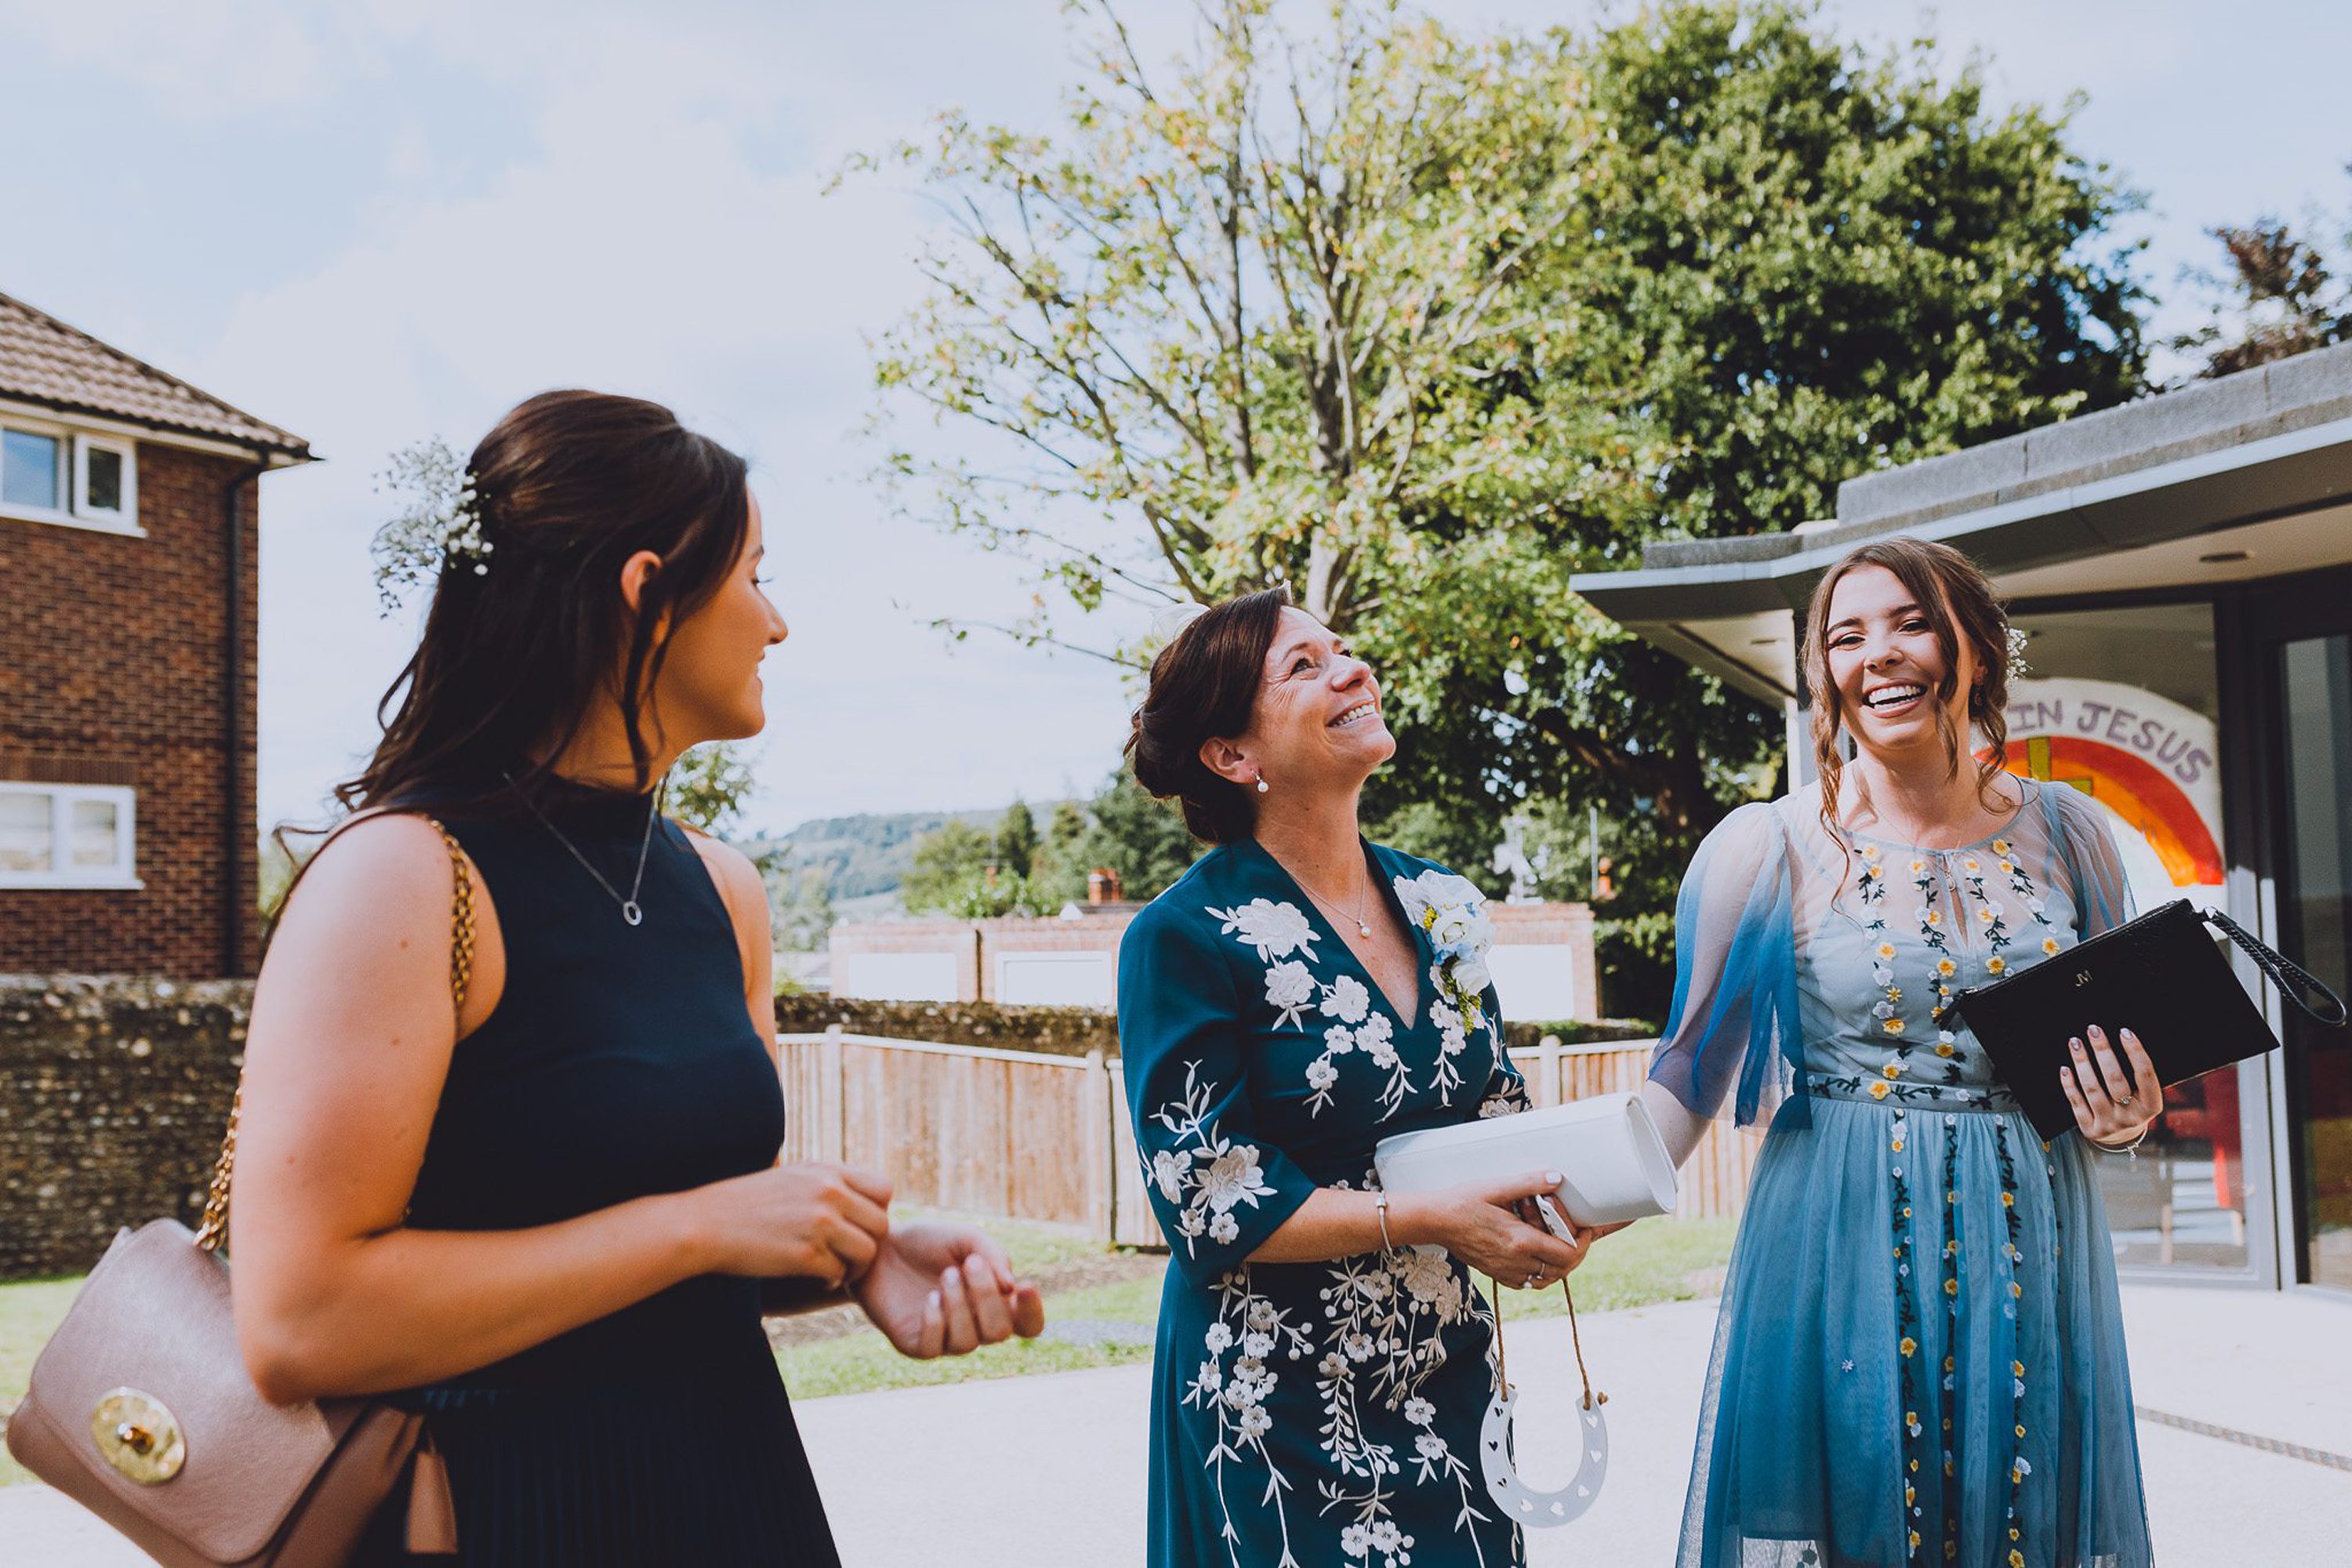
1380, 1342
1990, 914
1276, 930
1460, 930
1964, 886
1254, 1328
1385, 1311
1210, 1176
1907, 1319
2020, 1467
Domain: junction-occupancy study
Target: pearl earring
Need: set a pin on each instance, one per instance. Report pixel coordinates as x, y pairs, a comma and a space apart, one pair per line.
1261, 783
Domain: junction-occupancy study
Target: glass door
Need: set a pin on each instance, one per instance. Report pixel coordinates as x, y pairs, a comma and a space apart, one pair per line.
2314, 676
2123, 703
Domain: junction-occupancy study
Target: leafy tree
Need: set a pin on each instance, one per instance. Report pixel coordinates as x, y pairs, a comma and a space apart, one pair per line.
2277, 295
1016, 839
802, 898
960, 870
1058, 871
709, 787
948, 860
1422, 323
1143, 839
990, 894
1251, 323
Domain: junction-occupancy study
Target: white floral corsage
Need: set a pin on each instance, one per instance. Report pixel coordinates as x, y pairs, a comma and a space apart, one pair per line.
1454, 913
439, 522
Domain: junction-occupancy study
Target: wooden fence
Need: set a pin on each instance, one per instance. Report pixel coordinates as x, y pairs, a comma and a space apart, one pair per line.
1031, 1136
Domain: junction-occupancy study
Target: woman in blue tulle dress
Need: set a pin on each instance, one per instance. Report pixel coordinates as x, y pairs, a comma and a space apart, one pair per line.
1920, 1354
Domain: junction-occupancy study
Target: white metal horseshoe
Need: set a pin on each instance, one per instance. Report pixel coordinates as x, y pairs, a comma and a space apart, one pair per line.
1524, 1503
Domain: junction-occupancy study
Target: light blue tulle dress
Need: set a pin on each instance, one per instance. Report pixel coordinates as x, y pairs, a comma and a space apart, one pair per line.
1920, 1356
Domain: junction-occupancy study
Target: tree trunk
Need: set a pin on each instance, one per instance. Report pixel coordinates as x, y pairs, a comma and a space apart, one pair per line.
1322, 561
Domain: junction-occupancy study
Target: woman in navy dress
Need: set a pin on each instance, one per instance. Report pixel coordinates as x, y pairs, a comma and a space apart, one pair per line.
1324, 1360
548, 1221
1920, 1354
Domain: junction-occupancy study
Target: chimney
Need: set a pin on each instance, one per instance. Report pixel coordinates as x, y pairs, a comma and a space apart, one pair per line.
1102, 886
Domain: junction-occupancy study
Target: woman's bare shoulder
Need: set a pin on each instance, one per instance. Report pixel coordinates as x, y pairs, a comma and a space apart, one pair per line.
394, 863
741, 887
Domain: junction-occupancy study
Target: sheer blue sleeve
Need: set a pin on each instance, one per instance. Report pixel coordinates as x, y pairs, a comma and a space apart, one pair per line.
1732, 1034
2094, 872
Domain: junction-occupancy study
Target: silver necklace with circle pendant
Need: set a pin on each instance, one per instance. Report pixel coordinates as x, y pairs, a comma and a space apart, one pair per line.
632, 912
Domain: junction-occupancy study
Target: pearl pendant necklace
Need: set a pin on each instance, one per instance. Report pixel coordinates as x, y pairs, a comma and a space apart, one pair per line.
1363, 927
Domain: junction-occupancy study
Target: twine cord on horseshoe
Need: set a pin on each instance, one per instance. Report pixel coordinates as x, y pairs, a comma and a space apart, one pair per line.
1521, 1501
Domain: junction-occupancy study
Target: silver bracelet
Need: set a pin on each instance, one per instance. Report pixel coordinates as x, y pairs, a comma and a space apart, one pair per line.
1380, 1206
2145, 1129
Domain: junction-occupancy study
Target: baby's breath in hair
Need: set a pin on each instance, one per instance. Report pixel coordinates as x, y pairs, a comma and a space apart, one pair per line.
439, 521
2017, 669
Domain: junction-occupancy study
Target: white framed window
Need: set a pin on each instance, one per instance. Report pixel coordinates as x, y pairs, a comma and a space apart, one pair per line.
106, 481
67, 836
53, 473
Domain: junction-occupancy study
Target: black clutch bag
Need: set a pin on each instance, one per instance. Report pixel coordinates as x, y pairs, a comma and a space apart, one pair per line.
2160, 977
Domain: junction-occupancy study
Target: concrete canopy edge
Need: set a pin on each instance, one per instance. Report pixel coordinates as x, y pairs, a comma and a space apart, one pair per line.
2294, 471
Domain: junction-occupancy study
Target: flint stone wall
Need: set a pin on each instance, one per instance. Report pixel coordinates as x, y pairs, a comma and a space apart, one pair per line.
113, 1095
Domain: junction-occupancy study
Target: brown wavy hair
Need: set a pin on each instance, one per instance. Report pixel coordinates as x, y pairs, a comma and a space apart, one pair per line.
1204, 685
1957, 599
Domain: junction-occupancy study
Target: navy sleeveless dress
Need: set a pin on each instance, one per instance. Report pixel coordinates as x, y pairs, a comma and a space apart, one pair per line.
619, 1062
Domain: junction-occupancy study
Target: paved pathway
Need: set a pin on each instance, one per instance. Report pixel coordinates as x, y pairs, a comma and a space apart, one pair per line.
1048, 1472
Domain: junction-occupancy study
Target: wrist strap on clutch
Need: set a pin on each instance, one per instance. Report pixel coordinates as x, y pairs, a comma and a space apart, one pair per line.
2289, 977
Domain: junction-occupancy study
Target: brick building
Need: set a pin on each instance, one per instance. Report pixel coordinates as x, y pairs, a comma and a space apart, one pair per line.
128, 528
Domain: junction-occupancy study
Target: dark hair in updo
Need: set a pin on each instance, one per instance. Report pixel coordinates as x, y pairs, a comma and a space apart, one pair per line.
1204, 686
571, 484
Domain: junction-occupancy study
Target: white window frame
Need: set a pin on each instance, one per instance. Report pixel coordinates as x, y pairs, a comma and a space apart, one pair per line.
122, 873
123, 519
75, 446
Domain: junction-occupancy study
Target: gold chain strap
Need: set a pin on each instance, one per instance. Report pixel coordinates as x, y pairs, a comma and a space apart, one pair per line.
1575, 1338
213, 1231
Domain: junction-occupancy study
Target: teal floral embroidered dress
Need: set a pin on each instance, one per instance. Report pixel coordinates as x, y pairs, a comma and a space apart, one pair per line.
1920, 1356
1307, 1415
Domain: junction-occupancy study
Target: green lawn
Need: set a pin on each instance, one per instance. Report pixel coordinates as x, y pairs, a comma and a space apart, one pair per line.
29, 1313
1658, 1260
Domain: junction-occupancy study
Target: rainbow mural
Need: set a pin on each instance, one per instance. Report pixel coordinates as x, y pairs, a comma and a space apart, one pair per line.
2151, 762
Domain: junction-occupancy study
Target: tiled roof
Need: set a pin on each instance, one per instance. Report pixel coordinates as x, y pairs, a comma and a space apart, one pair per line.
44, 361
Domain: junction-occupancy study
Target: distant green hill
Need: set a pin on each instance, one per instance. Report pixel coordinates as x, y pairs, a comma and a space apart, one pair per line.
870, 853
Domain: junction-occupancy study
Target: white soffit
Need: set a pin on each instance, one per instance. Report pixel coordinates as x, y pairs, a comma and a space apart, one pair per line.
2305, 543
1757, 652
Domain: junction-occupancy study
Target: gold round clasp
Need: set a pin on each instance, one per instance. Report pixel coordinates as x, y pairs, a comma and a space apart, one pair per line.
139, 1437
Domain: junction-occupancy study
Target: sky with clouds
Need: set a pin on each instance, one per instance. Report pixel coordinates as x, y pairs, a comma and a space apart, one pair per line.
375, 220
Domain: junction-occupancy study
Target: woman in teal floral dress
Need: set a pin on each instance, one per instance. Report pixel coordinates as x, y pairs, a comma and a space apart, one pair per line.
1324, 1361
1920, 1355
